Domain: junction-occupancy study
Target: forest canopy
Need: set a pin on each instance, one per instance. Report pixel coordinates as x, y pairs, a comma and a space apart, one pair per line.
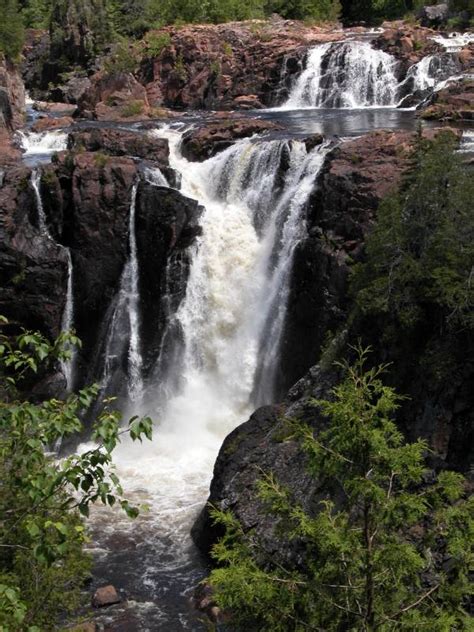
133, 18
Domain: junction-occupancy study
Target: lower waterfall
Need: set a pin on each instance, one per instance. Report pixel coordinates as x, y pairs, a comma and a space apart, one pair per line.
232, 317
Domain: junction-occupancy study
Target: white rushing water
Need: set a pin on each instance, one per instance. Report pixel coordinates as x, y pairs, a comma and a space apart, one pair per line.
254, 194
68, 322
124, 326
345, 75
454, 41
41, 217
40, 146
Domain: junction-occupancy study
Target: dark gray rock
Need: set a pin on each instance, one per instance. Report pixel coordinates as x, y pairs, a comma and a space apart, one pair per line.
434, 15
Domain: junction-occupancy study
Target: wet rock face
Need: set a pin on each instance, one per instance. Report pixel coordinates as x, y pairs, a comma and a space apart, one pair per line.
166, 225
86, 200
206, 141
453, 103
33, 269
353, 181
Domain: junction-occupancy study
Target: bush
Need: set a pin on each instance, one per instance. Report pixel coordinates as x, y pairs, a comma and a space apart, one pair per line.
42, 500
11, 29
391, 553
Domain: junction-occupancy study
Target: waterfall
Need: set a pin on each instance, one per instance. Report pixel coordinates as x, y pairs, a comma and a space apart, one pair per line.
231, 321
135, 385
124, 326
348, 74
36, 184
39, 147
68, 314
68, 322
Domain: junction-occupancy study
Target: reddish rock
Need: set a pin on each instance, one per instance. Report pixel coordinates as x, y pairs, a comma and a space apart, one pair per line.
66, 109
105, 596
453, 103
44, 124
116, 97
12, 111
120, 142
89, 626
207, 140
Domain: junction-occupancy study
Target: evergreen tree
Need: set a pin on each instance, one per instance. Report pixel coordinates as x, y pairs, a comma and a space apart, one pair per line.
11, 29
393, 554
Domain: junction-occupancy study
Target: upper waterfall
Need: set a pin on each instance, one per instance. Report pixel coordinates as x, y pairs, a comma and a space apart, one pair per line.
348, 74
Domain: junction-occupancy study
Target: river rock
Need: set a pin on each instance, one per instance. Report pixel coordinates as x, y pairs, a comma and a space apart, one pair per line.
47, 123
117, 96
454, 102
210, 138
105, 596
434, 15
120, 142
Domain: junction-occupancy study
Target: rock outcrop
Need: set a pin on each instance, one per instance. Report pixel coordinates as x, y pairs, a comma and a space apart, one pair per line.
33, 269
208, 139
86, 200
455, 102
354, 179
166, 225
12, 110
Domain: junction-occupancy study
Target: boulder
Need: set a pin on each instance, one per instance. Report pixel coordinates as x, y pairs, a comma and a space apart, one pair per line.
105, 596
434, 15
47, 123
206, 141
120, 142
455, 102
116, 96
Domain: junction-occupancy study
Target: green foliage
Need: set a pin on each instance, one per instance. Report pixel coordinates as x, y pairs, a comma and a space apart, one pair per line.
11, 29
123, 58
133, 108
156, 43
420, 255
43, 499
393, 553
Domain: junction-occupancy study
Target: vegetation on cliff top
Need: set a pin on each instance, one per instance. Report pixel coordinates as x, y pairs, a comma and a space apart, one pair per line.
98, 22
42, 500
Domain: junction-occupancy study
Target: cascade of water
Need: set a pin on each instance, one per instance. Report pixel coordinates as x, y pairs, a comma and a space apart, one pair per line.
68, 322
254, 195
39, 147
135, 384
124, 327
36, 183
154, 176
348, 74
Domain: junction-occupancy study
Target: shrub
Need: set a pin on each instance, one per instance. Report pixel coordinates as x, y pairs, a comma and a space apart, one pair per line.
133, 108
375, 558
42, 500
